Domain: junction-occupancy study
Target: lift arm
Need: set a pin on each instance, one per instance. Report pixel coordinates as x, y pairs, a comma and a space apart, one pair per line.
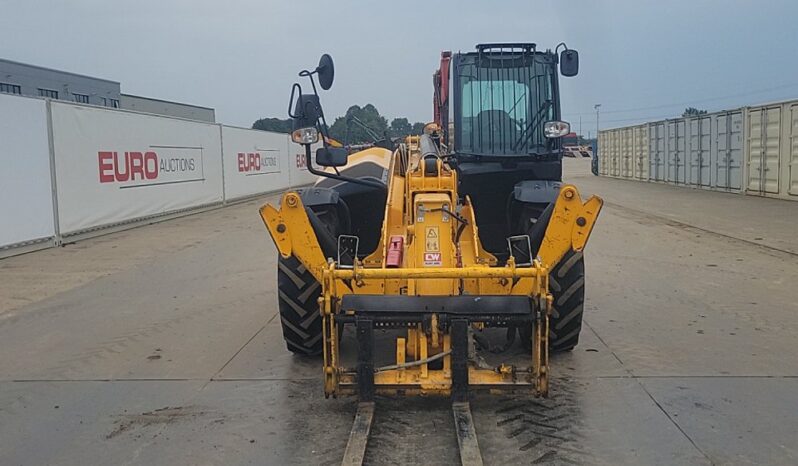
570, 225
293, 235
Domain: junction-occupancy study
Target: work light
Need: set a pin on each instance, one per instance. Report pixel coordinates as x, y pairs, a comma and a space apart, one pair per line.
556, 129
308, 135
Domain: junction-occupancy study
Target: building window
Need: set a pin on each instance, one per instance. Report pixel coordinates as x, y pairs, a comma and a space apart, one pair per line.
48, 93
10, 88
81, 98
114, 103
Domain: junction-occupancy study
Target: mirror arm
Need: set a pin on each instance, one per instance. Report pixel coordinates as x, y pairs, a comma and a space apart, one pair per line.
323, 129
291, 99
335, 176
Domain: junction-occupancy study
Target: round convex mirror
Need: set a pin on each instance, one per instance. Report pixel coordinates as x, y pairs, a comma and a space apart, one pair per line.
326, 71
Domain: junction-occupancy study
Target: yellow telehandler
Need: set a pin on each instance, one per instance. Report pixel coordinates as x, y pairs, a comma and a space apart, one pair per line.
425, 247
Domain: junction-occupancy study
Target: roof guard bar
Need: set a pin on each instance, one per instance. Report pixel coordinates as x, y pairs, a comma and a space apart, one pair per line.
526, 46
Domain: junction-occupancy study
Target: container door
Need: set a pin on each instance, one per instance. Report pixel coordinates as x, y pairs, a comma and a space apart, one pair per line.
793, 186
641, 152
704, 151
661, 154
601, 153
676, 157
693, 152
653, 152
735, 156
730, 151
699, 156
764, 143
626, 165
671, 162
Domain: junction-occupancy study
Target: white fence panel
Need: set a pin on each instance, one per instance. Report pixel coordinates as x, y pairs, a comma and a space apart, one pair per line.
114, 166
26, 200
254, 162
298, 165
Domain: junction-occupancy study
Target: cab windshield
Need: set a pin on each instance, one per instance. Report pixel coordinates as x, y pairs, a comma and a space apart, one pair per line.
504, 101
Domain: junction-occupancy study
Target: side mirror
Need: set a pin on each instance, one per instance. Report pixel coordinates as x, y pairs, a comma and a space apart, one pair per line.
331, 156
569, 62
326, 71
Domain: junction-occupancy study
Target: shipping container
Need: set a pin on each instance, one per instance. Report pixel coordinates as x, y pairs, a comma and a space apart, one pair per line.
772, 150
752, 150
792, 159
764, 149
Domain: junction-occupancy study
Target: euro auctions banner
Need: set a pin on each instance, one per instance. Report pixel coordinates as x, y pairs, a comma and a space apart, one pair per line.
26, 199
298, 164
254, 162
114, 166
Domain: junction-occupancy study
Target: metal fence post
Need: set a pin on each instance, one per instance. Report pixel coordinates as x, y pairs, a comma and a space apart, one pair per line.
53, 177
221, 151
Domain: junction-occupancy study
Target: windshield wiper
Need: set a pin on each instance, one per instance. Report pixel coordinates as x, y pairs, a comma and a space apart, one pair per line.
365, 127
530, 129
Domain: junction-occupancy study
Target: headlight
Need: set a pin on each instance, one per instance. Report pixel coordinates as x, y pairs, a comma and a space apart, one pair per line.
556, 129
305, 135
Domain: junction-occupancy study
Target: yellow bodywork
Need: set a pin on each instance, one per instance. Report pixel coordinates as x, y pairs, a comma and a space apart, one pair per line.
442, 256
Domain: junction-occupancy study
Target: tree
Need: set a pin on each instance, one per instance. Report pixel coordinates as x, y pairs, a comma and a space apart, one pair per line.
692, 111
273, 124
400, 127
360, 125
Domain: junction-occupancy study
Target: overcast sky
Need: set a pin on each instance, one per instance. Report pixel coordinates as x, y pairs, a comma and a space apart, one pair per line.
641, 60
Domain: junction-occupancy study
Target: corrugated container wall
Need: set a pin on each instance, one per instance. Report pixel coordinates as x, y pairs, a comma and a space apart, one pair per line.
751, 149
771, 150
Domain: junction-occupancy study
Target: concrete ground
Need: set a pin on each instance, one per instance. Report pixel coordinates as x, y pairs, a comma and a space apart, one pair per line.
160, 345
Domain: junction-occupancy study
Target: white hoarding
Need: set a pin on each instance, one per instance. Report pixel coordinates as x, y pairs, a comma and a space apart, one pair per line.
298, 165
26, 200
114, 166
254, 162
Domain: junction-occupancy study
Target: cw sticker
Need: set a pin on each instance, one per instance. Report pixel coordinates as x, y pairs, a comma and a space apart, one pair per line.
432, 241
432, 258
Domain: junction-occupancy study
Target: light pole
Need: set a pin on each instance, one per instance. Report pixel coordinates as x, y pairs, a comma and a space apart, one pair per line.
596, 107
594, 163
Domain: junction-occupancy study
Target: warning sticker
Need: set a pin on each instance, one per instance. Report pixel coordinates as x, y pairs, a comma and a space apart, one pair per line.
432, 258
432, 240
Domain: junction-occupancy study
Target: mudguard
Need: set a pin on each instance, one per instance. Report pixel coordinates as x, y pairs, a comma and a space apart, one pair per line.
314, 196
537, 191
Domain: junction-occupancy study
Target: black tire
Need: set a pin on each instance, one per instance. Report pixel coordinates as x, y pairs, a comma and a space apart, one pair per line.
298, 291
567, 285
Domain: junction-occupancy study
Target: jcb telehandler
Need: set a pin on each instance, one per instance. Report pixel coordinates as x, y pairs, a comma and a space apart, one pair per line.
455, 232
